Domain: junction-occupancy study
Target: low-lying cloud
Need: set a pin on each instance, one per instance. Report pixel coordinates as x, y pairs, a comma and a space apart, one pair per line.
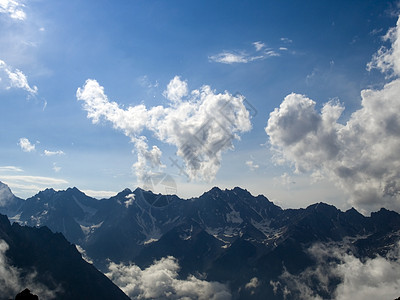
160, 281
12, 281
360, 156
201, 124
340, 275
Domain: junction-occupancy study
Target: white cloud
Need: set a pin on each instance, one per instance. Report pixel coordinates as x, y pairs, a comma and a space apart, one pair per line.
286, 180
130, 198
370, 278
388, 60
176, 89
232, 57
56, 168
160, 281
26, 145
144, 81
35, 179
14, 280
12, 8
259, 45
286, 40
252, 166
201, 124
252, 284
52, 153
10, 169
14, 78
360, 156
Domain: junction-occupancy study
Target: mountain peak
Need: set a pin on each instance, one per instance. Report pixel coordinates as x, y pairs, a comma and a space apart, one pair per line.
123, 193
5, 194
47, 192
215, 189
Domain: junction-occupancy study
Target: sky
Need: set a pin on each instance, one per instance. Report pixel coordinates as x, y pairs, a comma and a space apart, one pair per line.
294, 100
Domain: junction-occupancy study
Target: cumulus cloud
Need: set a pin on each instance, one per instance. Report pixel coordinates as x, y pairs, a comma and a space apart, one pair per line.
14, 78
201, 124
160, 281
360, 156
26, 145
232, 57
13, 280
176, 90
341, 275
12, 8
386, 59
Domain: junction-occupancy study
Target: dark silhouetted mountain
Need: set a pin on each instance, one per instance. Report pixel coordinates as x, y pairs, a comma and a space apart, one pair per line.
228, 236
26, 295
56, 263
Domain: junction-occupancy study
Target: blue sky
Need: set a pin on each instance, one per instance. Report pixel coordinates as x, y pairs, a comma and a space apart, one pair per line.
260, 51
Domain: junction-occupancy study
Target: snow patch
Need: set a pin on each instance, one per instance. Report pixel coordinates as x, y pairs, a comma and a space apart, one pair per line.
234, 217
87, 230
149, 241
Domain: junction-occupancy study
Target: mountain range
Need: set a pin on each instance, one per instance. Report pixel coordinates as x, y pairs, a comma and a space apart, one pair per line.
227, 236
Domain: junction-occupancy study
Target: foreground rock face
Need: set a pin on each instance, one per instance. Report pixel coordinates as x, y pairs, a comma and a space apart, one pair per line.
228, 236
37, 256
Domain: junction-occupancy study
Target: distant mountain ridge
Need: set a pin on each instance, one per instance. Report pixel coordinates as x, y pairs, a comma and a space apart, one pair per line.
229, 236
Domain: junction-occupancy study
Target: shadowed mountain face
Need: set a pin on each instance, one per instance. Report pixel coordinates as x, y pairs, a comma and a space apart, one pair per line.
228, 236
49, 265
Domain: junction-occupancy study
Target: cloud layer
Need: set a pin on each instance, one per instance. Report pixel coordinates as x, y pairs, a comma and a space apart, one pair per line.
160, 281
360, 156
201, 124
341, 275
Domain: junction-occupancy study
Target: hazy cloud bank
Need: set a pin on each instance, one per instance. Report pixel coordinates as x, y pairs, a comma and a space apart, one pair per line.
201, 124
361, 156
371, 278
160, 281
